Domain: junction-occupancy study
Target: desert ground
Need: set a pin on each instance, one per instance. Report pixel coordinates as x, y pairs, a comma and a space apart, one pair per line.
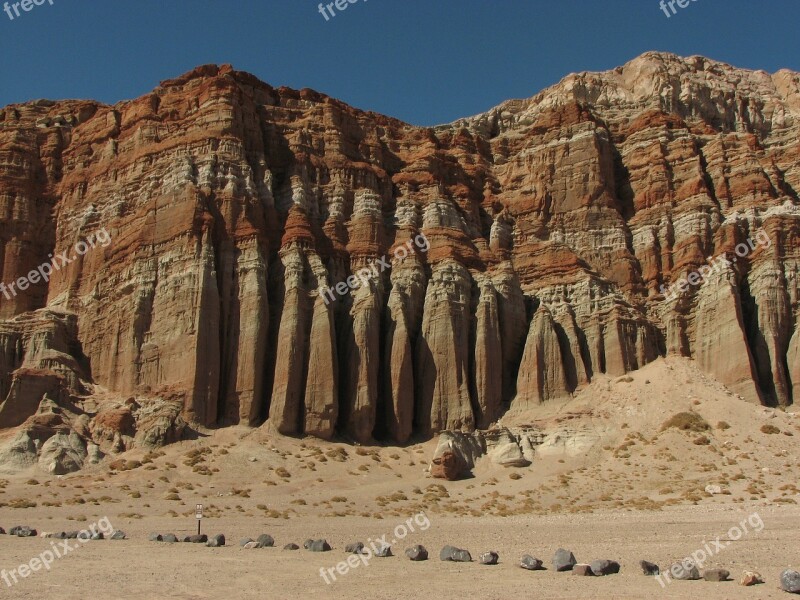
620, 475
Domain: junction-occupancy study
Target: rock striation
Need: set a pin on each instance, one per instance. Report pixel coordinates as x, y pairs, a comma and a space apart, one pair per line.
553, 227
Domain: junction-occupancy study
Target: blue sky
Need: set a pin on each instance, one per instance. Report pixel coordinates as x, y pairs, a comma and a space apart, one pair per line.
423, 61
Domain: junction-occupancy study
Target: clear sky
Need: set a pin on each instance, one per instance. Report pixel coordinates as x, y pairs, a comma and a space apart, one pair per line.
423, 61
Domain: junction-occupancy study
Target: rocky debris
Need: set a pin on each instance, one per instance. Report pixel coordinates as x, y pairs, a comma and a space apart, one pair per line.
716, 575
790, 581
530, 563
216, 541
22, 531
291, 546
196, 539
563, 560
354, 548
749, 578
417, 553
582, 570
317, 545
265, 541
118, 535
685, 571
649, 568
489, 558
447, 466
604, 567
383, 551
453, 554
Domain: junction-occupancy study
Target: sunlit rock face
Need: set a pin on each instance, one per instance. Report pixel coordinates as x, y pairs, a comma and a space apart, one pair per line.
513, 256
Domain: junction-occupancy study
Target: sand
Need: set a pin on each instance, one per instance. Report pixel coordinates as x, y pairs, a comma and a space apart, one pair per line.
610, 484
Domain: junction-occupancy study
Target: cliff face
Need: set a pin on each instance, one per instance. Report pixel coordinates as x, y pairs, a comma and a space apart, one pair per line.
552, 227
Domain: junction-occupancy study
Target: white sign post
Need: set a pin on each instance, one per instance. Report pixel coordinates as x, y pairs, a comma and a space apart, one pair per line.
198, 513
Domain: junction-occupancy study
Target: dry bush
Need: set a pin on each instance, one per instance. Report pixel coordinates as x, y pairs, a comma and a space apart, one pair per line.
686, 421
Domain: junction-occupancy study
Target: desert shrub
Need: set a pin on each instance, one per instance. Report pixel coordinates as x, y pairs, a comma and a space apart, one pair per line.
770, 429
686, 421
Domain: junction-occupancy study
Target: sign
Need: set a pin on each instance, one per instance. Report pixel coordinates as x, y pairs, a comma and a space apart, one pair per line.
198, 511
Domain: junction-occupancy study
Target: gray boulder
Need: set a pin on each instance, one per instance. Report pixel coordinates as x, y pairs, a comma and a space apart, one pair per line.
265, 541
216, 541
417, 553
563, 560
790, 581
685, 571
319, 546
453, 554
489, 558
196, 539
383, 551
291, 546
170, 538
716, 575
118, 535
604, 567
22, 531
648, 568
354, 548
530, 563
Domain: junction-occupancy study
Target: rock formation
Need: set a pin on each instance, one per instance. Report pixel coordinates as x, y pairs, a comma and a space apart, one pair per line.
244, 282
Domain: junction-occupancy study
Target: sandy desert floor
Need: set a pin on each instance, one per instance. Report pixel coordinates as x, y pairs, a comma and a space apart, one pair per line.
610, 482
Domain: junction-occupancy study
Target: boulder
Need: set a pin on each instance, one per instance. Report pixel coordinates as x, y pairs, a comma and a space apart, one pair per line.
648, 568
383, 551
749, 578
447, 466
216, 541
790, 581
685, 571
489, 558
354, 548
417, 553
63, 453
530, 563
291, 546
453, 554
604, 567
170, 538
244, 541
563, 560
155, 537
319, 546
716, 575
250, 545
196, 539
118, 535
582, 570
22, 531
508, 454
265, 541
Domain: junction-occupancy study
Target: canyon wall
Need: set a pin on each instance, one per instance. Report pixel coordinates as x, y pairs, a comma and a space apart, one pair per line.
553, 227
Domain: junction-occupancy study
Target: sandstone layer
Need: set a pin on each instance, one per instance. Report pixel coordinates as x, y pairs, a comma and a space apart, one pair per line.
553, 226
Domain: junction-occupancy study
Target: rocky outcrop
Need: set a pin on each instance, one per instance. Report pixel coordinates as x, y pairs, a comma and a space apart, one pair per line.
263, 262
